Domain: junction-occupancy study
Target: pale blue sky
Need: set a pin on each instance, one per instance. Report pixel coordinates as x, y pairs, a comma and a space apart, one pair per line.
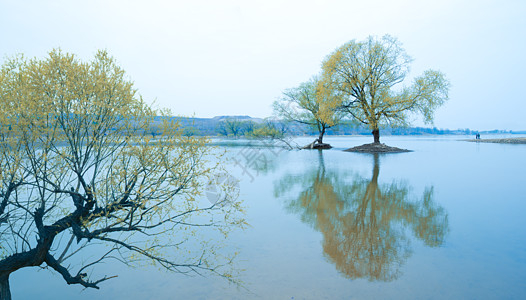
208, 58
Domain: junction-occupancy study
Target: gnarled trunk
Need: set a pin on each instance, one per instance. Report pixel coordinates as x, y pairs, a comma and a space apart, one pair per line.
376, 135
5, 291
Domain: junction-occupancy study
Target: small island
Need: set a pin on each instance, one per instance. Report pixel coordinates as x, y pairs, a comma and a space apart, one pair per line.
376, 148
518, 140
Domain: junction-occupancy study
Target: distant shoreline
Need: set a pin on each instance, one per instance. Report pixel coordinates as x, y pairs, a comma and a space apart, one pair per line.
518, 140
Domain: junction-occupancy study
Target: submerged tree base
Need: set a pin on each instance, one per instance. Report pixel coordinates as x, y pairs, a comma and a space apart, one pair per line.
376, 148
315, 145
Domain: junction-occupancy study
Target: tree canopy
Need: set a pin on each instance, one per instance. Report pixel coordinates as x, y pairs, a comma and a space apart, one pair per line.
79, 167
369, 74
312, 103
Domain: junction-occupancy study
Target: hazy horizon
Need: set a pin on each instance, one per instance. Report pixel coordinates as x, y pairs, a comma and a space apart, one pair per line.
414, 126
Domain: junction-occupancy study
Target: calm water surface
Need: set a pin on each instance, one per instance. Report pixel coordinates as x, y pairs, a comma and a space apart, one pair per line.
446, 221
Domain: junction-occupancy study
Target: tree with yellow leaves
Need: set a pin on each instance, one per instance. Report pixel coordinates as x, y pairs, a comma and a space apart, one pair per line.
79, 170
313, 103
369, 74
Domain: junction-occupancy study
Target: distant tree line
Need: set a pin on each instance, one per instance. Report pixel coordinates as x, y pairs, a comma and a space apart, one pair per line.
246, 127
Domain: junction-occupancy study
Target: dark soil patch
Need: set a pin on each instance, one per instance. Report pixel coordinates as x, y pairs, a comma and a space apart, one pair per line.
376, 148
317, 146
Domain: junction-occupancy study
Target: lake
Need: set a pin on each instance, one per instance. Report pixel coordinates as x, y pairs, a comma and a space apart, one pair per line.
445, 221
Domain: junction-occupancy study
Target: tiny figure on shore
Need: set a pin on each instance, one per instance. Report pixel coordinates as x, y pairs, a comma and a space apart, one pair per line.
477, 136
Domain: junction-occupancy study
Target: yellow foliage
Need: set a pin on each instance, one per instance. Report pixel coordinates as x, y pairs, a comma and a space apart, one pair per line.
368, 74
74, 147
314, 103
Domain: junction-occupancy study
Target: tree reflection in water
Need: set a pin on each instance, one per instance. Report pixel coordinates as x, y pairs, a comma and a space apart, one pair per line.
364, 224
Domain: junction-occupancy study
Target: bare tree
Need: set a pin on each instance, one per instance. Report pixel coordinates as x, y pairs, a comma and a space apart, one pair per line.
76, 169
230, 126
275, 132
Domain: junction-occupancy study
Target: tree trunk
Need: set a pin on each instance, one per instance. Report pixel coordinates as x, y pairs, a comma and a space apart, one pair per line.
5, 291
320, 138
376, 135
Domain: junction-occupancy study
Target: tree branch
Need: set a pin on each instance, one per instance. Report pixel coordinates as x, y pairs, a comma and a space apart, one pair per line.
77, 279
